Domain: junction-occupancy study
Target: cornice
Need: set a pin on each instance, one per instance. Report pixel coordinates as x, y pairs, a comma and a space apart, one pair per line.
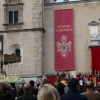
23, 30
70, 2
13, 4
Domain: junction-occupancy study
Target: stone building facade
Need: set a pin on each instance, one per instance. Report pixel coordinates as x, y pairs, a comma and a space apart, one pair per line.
32, 32
84, 12
21, 27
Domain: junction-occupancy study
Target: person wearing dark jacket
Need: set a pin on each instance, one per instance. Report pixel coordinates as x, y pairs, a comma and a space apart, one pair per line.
14, 90
34, 90
73, 92
27, 93
60, 87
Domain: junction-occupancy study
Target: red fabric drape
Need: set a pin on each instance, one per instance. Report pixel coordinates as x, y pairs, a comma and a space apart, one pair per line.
52, 79
95, 53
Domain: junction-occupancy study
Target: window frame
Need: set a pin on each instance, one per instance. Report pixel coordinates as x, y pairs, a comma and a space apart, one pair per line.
13, 16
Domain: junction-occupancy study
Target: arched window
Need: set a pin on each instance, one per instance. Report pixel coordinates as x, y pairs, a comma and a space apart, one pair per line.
17, 52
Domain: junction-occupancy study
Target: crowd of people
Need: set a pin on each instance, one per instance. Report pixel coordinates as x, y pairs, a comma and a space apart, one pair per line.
64, 89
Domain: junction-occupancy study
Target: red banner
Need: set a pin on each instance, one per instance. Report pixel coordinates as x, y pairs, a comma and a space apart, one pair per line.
95, 53
64, 44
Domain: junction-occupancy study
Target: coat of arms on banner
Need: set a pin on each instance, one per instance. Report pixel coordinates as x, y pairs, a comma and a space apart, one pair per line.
64, 47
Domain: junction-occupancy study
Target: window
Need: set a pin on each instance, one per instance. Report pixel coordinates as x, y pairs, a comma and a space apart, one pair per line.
17, 52
13, 17
13, 14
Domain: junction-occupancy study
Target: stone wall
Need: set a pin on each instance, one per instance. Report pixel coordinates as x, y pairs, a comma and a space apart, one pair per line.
31, 44
84, 12
29, 38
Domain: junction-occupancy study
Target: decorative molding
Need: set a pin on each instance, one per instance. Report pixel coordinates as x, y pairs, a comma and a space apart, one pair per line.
31, 75
13, 24
13, 1
13, 4
93, 23
90, 46
21, 30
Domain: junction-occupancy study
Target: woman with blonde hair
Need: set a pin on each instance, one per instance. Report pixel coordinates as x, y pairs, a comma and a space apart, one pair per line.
48, 92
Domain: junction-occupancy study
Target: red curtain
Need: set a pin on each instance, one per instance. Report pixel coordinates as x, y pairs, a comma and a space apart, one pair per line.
95, 53
52, 79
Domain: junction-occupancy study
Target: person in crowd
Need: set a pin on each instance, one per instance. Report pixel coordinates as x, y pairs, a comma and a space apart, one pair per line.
37, 86
27, 93
5, 92
82, 84
13, 88
95, 82
97, 88
48, 92
20, 91
44, 82
85, 79
57, 81
63, 77
90, 94
34, 90
73, 92
60, 87
66, 87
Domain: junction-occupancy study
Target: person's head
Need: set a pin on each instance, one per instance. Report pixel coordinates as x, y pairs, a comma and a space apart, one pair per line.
48, 92
73, 83
5, 92
63, 76
31, 83
58, 79
27, 87
89, 85
45, 81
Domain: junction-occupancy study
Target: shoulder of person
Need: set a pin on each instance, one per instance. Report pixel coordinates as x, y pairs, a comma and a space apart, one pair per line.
83, 93
18, 98
83, 97
97, 93
35, 97
63, 95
